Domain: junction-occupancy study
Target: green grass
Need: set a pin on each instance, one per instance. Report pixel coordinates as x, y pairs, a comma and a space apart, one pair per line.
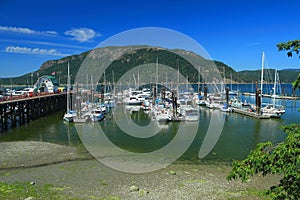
21, 190
195, 181
247, 194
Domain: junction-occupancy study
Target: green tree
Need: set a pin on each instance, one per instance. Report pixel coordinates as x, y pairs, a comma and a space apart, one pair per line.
267, 158
292, 46
296, 83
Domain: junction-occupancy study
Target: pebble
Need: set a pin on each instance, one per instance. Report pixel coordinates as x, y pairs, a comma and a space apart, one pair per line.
188, 173
32, 183
172, 172
134, 188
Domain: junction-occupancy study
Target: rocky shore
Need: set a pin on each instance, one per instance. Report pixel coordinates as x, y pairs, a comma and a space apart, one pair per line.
77, 176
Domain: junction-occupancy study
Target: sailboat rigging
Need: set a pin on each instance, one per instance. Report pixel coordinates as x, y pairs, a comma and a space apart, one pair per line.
70, 114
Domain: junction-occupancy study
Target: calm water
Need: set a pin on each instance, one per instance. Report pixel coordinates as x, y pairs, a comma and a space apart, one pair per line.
240, 134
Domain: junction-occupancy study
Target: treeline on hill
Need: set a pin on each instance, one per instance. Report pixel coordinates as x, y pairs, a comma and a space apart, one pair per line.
285, 76
58, 68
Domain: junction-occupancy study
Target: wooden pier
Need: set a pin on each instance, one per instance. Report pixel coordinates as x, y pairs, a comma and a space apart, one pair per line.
21, 111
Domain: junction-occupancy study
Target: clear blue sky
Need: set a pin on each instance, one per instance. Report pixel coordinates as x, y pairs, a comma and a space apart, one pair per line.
234, 32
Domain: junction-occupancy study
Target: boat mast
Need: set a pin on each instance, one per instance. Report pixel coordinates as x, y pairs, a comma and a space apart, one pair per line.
198, 78
68, 89
156, 77
231, 82
113, 80
92, 90
104, 82
177, 77
138, 81
262, 75
274, 93
224, 79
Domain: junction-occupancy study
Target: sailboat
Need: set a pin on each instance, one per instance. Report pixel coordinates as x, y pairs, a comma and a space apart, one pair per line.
70, 114
273, 110
231, 91
275, 95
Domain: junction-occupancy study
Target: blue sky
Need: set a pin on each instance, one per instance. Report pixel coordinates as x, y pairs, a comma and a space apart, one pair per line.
234, 32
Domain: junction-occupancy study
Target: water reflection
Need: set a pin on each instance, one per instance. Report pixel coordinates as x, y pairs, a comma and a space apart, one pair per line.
238, 137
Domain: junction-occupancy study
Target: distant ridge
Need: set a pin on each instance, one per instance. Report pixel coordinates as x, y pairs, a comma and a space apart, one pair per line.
288, 69
285, 75
145, 54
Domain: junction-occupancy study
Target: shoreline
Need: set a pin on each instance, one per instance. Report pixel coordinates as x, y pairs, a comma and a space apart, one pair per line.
89, 179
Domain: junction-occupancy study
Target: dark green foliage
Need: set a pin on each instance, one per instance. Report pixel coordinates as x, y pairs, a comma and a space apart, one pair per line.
285, 75
296, 83
292, 46
149, 55
267, 158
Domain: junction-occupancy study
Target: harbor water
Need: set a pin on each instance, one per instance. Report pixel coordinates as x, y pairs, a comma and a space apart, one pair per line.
239, 135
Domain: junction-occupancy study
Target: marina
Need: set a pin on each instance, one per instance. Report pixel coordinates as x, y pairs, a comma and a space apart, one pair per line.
134, 100
239, 126
18, 111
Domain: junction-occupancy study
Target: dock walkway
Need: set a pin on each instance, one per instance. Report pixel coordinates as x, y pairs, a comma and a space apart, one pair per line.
250, 114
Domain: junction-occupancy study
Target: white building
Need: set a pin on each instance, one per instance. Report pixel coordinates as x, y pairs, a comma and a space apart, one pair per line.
47, 84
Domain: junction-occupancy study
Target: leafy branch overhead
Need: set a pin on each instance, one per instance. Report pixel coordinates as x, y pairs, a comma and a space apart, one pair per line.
296, 83
292, 46
267, 158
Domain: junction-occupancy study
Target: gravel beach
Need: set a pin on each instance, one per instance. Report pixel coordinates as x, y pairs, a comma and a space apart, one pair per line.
81, 177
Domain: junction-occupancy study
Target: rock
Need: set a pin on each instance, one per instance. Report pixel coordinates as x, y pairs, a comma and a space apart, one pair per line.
144, 192
172, 172
188, 173
134, 188
32, 183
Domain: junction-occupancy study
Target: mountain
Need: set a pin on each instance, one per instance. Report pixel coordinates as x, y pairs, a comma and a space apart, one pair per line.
121, 59
285, 75
296, 70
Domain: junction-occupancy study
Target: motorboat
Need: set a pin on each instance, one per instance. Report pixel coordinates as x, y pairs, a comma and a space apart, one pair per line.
69, 116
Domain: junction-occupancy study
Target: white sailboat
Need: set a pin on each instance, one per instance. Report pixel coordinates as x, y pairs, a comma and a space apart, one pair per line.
273, 110
275, 95
232, 92
70, 114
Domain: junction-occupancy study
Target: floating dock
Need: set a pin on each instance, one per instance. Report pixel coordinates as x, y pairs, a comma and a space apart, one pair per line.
270, 96
250, 114
79, 120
